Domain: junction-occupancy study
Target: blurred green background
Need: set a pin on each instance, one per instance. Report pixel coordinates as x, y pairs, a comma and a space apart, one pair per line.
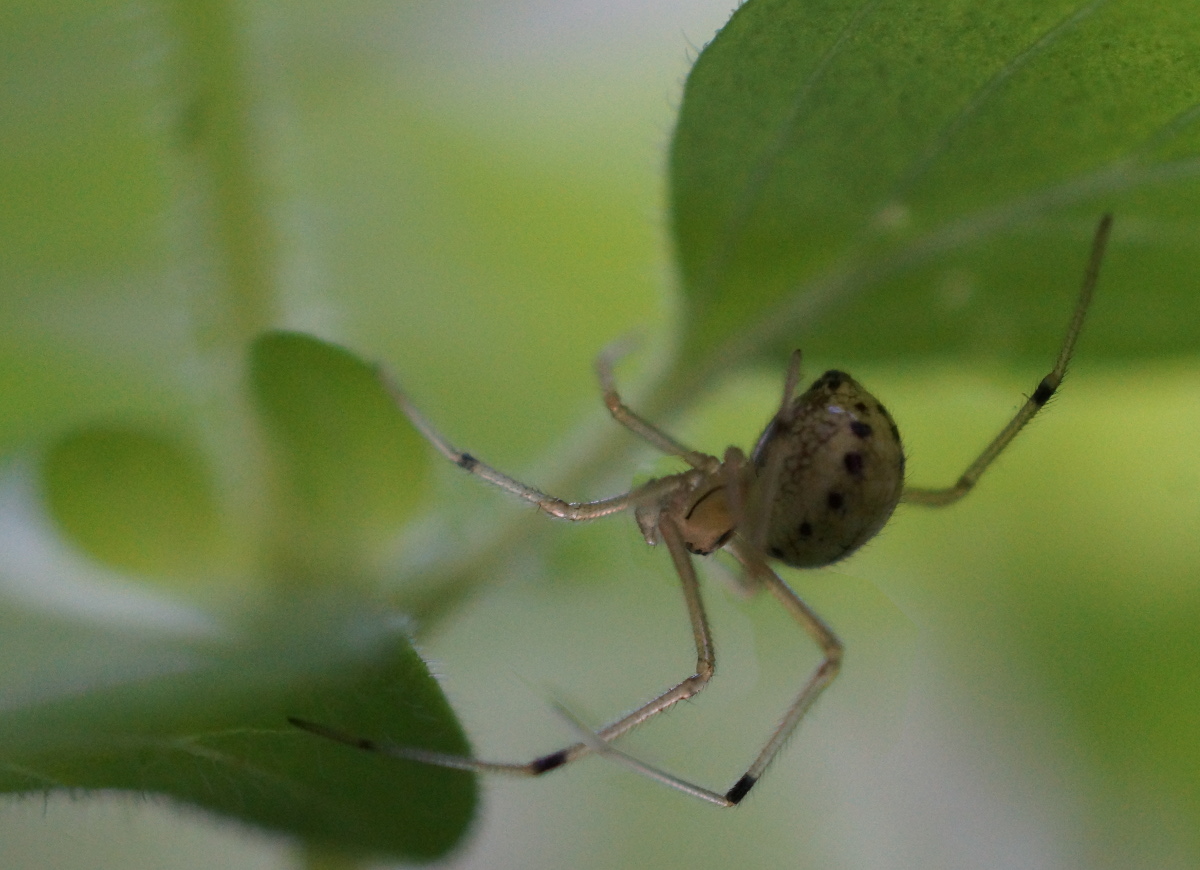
473, 193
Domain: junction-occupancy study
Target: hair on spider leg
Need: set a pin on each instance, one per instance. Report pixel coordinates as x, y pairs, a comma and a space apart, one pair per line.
822, 479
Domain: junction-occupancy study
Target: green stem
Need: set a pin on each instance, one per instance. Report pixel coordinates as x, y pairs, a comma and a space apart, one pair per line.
225, 170
221, 129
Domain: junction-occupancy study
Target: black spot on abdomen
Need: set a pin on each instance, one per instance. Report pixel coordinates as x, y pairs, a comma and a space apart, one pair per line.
854, 463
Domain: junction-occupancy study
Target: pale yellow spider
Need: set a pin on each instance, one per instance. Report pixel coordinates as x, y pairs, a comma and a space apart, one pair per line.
822, 480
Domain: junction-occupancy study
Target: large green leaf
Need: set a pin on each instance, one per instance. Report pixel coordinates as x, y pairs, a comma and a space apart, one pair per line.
938, 167
206, 724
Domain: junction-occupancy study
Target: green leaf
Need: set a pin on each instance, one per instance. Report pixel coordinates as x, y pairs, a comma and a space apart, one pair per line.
353, 465
880, 178
207, 725
137, 500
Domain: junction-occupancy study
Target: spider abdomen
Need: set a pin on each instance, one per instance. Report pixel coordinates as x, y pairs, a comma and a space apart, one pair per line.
838, 469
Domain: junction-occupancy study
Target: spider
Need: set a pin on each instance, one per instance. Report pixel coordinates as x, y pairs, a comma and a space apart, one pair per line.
823, 478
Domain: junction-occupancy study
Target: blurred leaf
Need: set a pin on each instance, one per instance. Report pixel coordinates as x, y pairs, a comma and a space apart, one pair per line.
1148, 657
138, 500
81, 182
352, 459
209, 727
926, 177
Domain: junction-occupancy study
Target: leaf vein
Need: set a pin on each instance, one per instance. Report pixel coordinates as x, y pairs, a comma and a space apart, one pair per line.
940, 144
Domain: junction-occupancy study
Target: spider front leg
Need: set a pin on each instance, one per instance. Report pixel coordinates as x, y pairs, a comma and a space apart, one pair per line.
555, 507
687, 688
1045, 389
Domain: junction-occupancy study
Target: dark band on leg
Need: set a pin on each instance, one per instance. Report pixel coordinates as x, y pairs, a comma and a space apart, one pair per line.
548, 762
467, 461
743, 785
1043, 393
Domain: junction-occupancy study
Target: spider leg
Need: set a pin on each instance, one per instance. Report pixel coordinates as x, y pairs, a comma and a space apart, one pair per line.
608, 750
735, 473
824, 674
638, 425
754, 514
705, 665
600, 742
556, 507
790, 382
1035, 402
